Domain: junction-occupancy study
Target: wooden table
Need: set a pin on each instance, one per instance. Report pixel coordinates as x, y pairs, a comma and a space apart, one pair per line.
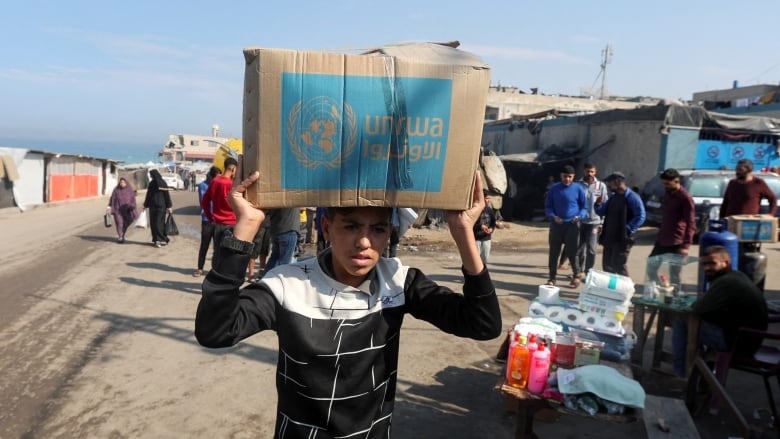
663, 313
527, 404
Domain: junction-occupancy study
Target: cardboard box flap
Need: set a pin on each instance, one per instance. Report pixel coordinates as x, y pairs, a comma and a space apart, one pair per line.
433, 53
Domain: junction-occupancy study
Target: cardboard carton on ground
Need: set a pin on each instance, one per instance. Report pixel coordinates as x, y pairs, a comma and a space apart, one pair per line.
753, 228
398, 126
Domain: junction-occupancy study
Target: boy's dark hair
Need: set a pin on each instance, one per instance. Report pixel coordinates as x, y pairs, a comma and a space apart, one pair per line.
331, 212
213, 172
670, 174
588, 165
230, 161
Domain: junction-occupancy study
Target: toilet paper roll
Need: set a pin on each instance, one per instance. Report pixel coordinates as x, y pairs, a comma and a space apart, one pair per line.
591, 320
572, 317
537, 309
555, 313
548, 294
610, 325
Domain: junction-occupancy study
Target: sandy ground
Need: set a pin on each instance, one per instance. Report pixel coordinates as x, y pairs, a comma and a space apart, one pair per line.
97, 338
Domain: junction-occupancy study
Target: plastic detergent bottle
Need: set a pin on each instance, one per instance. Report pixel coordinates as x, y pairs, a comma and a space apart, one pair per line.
540, 368
519, 365
532, 345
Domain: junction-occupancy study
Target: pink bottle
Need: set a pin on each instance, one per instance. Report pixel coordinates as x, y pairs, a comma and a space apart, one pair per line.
532, 345
540, 368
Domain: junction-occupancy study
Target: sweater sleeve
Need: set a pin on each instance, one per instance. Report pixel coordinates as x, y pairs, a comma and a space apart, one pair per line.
767, 193
473, 314
227, 314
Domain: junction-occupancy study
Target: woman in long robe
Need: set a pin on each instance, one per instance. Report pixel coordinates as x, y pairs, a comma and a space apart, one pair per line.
158, 201
122, 206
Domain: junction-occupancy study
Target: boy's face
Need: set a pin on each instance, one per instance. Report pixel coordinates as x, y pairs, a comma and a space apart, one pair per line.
357, 239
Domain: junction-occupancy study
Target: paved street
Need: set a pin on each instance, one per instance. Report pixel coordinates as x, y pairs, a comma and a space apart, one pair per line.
96, 338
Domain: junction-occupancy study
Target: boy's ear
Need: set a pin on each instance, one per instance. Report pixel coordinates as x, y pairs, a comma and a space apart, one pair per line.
325, 224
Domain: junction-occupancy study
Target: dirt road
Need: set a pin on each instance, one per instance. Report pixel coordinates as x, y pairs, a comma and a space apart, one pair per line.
97, 338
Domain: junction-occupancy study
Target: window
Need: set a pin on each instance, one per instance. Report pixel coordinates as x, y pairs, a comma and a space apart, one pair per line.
708, 187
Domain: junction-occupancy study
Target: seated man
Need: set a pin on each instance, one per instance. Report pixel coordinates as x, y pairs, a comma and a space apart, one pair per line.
338, 316
732, 301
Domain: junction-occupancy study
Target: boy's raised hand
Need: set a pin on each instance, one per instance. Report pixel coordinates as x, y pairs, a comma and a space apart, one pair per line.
461, 225
464, 220
248, 218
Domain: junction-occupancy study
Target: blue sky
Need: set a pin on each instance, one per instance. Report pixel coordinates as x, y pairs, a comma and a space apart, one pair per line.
136, 71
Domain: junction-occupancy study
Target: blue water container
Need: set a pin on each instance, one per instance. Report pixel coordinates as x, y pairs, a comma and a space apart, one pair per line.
718, 234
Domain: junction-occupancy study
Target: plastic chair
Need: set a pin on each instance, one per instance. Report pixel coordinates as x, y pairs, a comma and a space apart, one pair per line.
764, 362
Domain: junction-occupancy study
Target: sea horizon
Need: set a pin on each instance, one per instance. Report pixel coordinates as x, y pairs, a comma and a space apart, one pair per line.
124, 152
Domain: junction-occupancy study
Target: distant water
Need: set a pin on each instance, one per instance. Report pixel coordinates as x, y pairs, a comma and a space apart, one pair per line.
124, 152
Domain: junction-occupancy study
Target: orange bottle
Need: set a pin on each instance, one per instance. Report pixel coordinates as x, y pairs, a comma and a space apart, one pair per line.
519, 365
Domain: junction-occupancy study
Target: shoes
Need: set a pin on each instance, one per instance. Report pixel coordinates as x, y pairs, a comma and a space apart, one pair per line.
575, 282
157, 244
581, 275
197, 273
163, 242
120, 240
550, 282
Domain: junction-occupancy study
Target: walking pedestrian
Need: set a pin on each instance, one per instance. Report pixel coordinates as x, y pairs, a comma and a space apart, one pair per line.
565, 206
591, 223
623, 213
206, 226
122, 206
284, 228
678, 225
158, 201
483, 230
216, 207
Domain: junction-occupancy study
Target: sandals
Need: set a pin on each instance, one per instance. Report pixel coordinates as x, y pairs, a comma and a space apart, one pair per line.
550, 282
197, 273
575, 282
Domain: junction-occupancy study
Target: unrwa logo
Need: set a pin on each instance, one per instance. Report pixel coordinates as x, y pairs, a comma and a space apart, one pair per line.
322, 132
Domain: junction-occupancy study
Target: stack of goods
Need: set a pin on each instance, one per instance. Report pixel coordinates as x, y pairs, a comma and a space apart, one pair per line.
564, 368
605, 300
595, 321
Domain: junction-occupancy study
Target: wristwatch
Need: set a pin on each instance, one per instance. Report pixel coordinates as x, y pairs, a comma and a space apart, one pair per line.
231, 242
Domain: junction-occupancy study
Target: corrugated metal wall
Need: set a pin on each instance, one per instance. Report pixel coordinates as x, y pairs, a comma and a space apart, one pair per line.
73, 177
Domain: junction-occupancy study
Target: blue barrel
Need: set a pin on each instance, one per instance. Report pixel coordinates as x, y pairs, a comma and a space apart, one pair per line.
718, 234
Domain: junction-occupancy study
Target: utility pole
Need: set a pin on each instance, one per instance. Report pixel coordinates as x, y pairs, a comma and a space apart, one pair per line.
606, 59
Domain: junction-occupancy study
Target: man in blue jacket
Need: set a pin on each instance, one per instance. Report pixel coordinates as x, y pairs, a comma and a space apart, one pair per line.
623, 213
565, 205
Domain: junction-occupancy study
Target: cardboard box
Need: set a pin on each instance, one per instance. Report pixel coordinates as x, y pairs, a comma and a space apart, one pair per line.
753, 228
400, 126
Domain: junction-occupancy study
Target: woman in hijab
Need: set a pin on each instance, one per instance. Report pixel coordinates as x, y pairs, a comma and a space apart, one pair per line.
158, 201
122, 206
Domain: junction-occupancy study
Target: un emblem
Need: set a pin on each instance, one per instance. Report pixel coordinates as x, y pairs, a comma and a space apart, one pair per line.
319, 135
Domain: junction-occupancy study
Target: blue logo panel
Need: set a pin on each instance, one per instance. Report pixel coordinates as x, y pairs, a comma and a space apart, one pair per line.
364, 132
717, 154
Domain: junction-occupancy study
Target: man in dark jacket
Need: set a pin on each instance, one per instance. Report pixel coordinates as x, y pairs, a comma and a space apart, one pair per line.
731, 302
623, 213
